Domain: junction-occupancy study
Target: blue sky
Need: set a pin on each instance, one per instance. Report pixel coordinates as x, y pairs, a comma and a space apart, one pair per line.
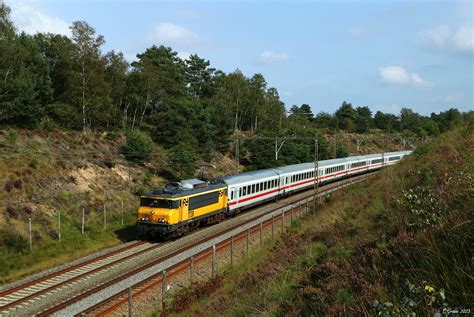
384, 54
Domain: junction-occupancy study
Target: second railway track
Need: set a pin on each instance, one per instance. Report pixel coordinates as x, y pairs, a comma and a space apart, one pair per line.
71, 286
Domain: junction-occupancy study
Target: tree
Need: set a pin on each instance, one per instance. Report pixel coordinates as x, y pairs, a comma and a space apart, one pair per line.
431, 128
200, 77
137, 147
364, 119
346, 116
325, 120
447, 119
386, 121
410, 120
92, 91
116, 72
25, 85
7, 29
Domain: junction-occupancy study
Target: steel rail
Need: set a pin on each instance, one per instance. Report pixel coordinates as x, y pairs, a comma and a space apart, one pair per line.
77, 277
73, 300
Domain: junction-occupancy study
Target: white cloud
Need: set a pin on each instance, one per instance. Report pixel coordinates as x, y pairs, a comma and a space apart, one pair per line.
437, 37
31, 18
464, 38
400, 76
174, 35
268, 57
443, 37
454, 97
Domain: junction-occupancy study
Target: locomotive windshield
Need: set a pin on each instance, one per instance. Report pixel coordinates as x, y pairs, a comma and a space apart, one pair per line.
158, 203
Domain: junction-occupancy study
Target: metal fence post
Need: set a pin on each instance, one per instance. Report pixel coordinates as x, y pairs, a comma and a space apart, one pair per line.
30, 231
83, 218
105, 217
213, 261
163, 290
191, 269
121, 201
273, 226
59, 225
261, 233
291, 213
232, 251
283, 221
248, 238
129, 302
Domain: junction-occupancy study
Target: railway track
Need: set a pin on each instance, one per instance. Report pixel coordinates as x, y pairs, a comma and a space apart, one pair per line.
18, 299
55, 292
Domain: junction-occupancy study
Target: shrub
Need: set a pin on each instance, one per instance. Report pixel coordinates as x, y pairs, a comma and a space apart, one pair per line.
8, 186
17, 184
12, 135
343, 296
16, 242
34, 163
11, 212
137, 147
181, 155
139, 191
28, 210
47, 124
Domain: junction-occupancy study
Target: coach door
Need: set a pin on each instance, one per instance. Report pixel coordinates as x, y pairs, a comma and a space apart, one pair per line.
283, 182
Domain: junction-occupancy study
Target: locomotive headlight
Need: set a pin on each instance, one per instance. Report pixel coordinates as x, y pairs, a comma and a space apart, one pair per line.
152, 212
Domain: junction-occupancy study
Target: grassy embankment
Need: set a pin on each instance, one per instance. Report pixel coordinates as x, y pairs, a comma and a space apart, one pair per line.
400, 244
44, 173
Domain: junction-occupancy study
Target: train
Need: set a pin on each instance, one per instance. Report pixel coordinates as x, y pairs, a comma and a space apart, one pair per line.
182, 206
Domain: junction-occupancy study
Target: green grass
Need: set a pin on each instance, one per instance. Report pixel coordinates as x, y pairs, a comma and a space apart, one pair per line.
399, 245
18, 261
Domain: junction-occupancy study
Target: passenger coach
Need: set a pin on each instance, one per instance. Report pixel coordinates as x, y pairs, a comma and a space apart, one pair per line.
187, 204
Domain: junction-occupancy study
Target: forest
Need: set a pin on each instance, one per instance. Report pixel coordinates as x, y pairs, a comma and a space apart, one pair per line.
50, 81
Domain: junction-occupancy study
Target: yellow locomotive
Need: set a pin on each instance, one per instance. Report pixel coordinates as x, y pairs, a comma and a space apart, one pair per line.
178, 207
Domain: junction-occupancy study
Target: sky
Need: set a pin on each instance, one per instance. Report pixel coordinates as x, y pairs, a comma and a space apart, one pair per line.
382, 54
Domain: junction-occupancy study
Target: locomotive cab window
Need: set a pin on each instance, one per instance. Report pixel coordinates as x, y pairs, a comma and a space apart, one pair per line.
159, 203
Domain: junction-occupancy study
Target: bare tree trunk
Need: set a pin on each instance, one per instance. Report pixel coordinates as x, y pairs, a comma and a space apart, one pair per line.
84, 124
147, 102
134, 116
125, 112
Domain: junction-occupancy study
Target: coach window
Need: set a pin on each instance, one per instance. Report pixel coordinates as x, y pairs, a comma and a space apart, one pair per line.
244, 190
248, 190
240, 192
